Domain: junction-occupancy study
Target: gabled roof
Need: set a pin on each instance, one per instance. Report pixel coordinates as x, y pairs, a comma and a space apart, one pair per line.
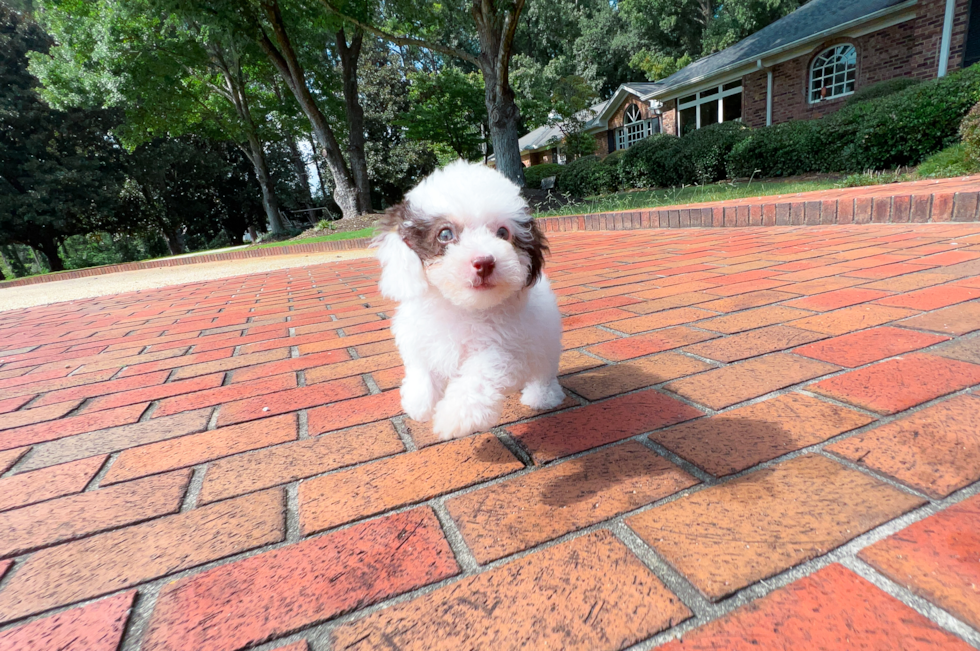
814, 19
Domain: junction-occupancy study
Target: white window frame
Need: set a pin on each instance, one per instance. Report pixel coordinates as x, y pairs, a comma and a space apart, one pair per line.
828, 60
560, 156
708, 95
634, 128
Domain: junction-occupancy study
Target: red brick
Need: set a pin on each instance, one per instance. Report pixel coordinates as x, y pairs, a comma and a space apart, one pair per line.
613, 379
750, 319
832, 608
547, 600
849, 319
752, 378
260, 371
754, 343
584, 337
281, 464
898, 384
243, 362
116, 438
599, 304
9, 457
104, 389
332, 344
653, 342
837, 299
190, 450
594, 318
745, 301
955, 320
932, 298
339, 370
525, 511
661, 320
348, 495
56, 481
354, 412
175, 362
13, 404
42, 432
291, 400
936, 558
727, 537
116, 560
98, 626
74, 516
741, 438
300, 585
37, 416
935, 450
158, 392
866, 346
225, 394
572, 431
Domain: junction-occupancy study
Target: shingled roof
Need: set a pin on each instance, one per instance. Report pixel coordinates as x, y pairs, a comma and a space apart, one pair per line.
811, 20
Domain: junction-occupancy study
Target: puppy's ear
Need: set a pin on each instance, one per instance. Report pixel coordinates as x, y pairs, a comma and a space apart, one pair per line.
402, 276
531, 241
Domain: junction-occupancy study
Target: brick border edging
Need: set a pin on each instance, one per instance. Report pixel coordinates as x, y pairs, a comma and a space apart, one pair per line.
318, 247
938, 207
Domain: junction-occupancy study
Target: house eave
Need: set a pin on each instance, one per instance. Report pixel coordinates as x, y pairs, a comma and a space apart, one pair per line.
872, 22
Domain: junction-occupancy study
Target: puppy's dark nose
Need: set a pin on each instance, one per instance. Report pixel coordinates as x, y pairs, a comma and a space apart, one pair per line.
483, 266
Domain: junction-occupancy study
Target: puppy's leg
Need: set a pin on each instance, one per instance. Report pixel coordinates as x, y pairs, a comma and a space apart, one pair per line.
420, 392
472, 402
542, 394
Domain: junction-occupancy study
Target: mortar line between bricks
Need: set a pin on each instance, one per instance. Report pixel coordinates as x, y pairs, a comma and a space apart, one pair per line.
464, 557
193, 491
936, 614
398, 422
96, 480
291, 512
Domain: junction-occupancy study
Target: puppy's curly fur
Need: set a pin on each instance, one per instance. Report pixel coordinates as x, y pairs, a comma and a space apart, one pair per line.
477, 319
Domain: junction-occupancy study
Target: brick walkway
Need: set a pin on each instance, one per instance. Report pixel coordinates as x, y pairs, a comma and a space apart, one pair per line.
770, 441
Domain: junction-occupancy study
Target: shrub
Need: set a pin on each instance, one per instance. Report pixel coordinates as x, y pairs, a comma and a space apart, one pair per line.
787, 149
882, 89
536, 173
588, 176
970, 134
703, 153
653, 162
952, 161
898, 129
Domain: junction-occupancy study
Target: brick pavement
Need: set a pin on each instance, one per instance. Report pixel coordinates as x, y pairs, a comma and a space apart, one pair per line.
771, 440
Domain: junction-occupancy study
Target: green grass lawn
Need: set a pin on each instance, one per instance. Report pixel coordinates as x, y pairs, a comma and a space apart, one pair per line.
333, 237
693, 194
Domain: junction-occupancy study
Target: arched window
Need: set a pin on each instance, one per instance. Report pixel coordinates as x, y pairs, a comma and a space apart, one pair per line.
635, 128
833, 72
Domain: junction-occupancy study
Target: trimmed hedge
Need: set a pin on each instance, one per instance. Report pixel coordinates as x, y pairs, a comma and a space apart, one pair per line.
970, 133
536, 173
893, 124
882, 89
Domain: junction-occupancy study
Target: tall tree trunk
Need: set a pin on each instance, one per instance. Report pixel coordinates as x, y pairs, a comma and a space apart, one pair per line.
299, 167
49, 247
175, 241
231, 69
349, 56
496, 31
270, 203
283, 57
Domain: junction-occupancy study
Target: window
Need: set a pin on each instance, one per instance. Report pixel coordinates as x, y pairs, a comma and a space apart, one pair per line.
560, 156
833, 72
635, 128
712, 105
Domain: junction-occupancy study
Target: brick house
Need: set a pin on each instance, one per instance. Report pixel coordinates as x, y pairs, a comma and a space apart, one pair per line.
800, 67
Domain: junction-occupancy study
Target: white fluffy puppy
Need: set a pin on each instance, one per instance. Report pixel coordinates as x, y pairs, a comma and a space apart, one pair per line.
477, 319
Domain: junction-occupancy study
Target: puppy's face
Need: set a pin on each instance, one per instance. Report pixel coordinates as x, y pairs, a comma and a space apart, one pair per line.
476, 256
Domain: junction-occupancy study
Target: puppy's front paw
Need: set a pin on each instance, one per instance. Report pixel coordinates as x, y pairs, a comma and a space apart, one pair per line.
455, 420
418, 402
541, 396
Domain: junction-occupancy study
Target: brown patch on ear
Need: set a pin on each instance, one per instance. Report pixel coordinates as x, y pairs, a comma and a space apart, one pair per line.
531, 240
419, 234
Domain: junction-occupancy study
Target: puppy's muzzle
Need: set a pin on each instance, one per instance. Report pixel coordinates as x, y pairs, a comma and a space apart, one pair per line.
483, 266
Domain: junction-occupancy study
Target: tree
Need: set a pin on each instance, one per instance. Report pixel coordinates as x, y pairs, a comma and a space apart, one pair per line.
60, 171
447, 108
171, 77
495, 24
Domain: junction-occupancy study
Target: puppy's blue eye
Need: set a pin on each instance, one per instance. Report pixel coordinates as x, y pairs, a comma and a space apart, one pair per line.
503, 233
445, 235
